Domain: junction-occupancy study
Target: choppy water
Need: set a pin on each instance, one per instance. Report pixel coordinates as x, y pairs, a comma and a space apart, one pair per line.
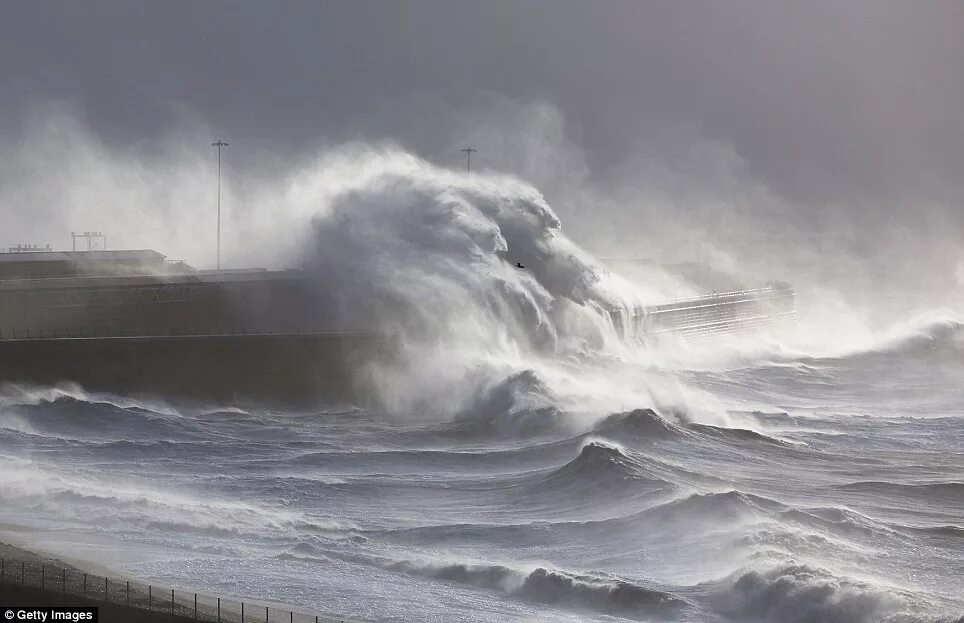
835, 494
529, 464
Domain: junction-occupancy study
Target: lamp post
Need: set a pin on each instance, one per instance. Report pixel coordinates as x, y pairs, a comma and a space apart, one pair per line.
468, 157
219, 144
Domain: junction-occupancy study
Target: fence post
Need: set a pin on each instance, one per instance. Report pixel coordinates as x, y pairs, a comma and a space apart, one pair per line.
242, 612
219, 610
195, 605
172, 601
150, 598
266, 614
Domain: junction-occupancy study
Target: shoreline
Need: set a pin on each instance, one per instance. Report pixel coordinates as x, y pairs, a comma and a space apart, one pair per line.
36, 578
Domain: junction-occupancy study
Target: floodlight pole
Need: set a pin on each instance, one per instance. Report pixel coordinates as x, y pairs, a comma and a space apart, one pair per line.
468, 158
219, 144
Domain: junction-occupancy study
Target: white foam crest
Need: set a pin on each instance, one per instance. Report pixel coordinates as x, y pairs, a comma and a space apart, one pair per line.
86, 497
17, 394
540, 582
804, 594
839, 335
928, 325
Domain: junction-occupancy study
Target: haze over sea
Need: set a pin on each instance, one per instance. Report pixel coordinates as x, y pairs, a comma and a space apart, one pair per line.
524, 461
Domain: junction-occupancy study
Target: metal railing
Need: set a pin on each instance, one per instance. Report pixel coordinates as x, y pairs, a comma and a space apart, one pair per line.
755, 293
53, 577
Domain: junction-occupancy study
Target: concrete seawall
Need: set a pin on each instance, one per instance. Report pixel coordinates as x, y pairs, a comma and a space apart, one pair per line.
287, 368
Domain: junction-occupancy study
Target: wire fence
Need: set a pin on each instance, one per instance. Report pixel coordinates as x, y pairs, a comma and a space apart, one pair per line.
162, 599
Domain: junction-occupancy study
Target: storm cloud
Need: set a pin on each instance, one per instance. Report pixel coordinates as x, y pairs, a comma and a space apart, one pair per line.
678, 129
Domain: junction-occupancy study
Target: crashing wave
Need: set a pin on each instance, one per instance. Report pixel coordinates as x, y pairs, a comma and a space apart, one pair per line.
473, 275
918, 336
521, 403
552, 586
17, 394
797, 593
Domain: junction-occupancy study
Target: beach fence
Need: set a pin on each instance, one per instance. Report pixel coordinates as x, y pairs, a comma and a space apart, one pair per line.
56, 578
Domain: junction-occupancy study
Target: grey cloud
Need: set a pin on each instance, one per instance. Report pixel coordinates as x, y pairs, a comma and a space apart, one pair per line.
739, 123
822, 100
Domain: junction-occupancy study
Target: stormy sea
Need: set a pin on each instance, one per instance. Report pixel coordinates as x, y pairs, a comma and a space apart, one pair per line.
520, 459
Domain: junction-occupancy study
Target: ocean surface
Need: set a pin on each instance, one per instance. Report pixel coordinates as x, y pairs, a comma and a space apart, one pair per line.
835, 492
529, 462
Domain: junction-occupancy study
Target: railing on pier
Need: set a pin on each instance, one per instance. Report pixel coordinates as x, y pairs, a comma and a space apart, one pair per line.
711, 314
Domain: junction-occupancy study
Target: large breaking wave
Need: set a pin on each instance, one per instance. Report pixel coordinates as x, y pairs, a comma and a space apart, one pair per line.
529, 460
437, 253
474, 276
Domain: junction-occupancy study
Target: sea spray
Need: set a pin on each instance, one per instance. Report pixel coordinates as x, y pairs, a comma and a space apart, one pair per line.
472, 274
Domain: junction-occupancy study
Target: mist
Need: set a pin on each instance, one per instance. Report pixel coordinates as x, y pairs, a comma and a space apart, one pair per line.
464, 396
818, 145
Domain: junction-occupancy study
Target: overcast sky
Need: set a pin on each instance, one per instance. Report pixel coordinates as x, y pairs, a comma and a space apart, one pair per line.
846, 104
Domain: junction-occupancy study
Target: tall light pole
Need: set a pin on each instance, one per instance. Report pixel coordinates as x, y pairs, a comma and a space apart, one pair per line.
468, 157
219, 144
